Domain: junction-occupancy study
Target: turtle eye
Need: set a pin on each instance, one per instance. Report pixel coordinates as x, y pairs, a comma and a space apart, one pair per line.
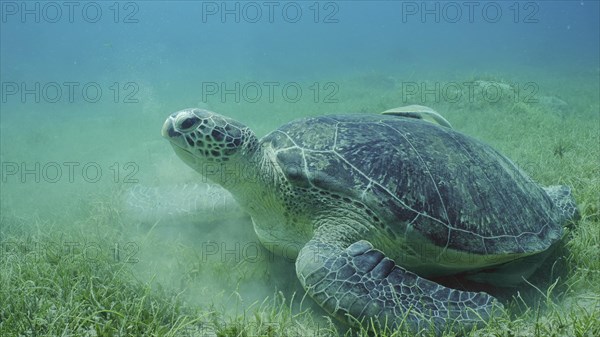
188, 123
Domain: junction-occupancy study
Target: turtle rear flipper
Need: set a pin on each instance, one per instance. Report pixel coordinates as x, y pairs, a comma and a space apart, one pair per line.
359, 284
563, 199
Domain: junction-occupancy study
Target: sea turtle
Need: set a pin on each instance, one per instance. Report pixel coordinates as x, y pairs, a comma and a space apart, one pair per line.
373, 206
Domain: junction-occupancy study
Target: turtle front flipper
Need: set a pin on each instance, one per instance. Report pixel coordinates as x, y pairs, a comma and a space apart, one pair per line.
358, 284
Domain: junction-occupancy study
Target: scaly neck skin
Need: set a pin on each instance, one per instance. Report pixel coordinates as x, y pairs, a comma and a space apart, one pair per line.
250, 177
246, 176
241, 175
254, 179
254, 182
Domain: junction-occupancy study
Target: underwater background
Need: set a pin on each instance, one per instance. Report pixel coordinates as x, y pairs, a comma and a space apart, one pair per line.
91, 195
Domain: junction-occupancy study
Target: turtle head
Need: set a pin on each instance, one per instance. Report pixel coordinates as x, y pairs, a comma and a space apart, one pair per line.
202, 138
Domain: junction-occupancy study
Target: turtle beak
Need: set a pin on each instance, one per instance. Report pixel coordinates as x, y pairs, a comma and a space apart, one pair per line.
168, 129
174, 136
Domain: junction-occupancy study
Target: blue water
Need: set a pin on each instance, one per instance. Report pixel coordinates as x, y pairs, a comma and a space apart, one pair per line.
95, 80
192, 41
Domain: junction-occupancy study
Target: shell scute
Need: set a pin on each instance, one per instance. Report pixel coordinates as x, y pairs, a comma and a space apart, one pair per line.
454, 190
